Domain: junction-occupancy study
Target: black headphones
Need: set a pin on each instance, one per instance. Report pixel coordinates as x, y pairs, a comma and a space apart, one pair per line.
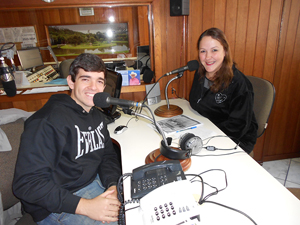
189, 144
148, 74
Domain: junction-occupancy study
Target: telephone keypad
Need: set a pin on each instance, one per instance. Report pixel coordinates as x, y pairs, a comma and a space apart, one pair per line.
167, 210
151, 183
166, 206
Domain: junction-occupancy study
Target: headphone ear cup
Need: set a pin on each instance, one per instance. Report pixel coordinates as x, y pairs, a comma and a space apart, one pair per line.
147, 74
190, 142
172, 153
137, 64
184, 139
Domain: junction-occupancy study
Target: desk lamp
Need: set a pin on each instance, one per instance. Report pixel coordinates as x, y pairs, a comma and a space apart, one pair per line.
174, 110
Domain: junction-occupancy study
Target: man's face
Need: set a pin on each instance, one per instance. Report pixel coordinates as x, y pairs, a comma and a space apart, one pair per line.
86, 85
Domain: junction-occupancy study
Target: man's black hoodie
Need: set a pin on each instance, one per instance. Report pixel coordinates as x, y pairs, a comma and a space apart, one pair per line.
62, 149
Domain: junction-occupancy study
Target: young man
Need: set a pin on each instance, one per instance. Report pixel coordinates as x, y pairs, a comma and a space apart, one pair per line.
67, 169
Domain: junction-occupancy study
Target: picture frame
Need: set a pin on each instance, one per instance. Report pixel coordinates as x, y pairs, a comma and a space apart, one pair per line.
101, 39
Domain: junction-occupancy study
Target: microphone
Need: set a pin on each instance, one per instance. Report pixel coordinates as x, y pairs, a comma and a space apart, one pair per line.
7, 78
104, 100
10, 88
191, 66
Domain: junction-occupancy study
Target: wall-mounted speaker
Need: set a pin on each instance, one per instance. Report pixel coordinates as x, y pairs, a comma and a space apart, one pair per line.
179, 7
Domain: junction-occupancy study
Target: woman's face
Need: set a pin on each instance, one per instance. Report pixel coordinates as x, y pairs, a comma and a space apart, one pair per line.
211, 54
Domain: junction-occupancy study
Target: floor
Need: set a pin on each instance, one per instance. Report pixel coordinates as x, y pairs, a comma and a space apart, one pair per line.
286, 171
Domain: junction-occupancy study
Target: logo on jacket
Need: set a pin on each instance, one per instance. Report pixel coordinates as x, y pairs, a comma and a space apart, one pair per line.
219, 97
89, 141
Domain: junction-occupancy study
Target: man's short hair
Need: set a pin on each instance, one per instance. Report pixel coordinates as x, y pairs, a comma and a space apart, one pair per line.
88, 62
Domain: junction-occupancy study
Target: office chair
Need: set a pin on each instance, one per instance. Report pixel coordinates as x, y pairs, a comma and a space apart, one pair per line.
264, 96
64, 67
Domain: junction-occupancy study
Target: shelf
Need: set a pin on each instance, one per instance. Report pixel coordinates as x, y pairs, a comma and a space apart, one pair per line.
133, 88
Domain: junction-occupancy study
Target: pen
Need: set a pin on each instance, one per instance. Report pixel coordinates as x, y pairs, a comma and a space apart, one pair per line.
186, 129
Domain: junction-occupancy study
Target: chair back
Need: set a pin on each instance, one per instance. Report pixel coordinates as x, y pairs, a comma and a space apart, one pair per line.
264, 96
64, 67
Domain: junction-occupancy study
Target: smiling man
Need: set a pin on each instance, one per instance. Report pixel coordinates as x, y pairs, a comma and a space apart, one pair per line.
67, 169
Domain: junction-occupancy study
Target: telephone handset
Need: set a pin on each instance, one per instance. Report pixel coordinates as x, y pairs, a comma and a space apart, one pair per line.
171, 204
151, 176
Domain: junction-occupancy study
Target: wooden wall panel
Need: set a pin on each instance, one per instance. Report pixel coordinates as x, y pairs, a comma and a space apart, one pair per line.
208, 14
231, 23
169, 48
195, 28
240, 34
143, 25
284, 141
219, 14
252, 25
261, 40
29, 102
38, 4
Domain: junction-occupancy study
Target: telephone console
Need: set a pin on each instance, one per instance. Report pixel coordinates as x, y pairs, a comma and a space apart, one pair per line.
151, 176
44, 75
171, 204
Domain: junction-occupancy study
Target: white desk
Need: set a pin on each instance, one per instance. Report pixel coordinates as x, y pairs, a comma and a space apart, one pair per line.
251, 189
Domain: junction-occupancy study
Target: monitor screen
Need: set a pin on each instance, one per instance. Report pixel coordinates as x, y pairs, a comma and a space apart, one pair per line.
30, 58
143, 57
113, 87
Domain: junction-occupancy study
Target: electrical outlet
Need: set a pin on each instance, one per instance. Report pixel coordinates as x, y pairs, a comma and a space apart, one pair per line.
152, 101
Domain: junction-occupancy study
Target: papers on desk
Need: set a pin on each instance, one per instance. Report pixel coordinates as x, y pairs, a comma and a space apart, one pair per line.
46, 90
62, 81
183, 124
178, 124
4, 93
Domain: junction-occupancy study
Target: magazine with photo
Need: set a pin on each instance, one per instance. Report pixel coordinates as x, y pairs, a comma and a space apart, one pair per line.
178, 123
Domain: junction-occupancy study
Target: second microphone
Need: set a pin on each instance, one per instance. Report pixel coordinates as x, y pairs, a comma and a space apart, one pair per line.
104, 100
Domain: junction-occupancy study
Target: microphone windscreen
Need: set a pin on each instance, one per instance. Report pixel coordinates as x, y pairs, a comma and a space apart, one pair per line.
100, 99
193, 65
10, 88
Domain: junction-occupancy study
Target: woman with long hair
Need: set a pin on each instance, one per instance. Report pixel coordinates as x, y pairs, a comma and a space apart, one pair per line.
221, 92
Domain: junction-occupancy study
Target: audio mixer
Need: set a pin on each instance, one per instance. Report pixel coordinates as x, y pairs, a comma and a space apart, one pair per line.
44, 75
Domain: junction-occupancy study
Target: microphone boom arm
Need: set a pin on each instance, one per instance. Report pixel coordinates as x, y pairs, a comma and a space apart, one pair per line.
131, 112
166, 88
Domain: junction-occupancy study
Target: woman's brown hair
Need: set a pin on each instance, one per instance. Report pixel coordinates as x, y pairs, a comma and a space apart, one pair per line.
224, 75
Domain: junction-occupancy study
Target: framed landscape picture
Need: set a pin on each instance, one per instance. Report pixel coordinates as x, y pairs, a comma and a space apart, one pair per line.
72, 40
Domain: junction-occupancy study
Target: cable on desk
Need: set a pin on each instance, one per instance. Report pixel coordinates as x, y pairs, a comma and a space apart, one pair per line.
236, 210
197, 175
157, 157
231, 153
213, 148
204, 199
217, 190
121, 216
125, 111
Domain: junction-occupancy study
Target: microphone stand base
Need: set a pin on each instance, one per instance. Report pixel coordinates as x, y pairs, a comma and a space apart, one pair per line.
163, 111
185, 163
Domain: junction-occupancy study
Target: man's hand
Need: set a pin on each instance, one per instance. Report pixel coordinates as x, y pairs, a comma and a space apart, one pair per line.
104, 207
114, 195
